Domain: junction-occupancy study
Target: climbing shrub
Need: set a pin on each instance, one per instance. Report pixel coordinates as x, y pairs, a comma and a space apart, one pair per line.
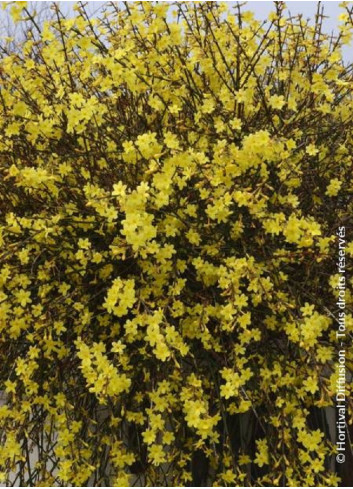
173, 177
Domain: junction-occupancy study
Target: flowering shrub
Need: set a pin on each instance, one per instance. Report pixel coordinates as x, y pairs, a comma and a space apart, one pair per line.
172, 180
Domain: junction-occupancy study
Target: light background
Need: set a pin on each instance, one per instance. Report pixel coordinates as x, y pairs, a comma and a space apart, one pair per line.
261, 9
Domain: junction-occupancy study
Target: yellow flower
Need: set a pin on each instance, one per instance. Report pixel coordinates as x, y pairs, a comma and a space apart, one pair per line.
311, 150
156, 454
262, 454
149, 436
334, 187
311, 385
277, 102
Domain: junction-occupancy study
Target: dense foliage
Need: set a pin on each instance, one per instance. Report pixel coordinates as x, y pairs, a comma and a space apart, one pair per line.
172, 180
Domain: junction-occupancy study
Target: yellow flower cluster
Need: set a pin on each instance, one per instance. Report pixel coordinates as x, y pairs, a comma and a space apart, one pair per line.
171, 181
